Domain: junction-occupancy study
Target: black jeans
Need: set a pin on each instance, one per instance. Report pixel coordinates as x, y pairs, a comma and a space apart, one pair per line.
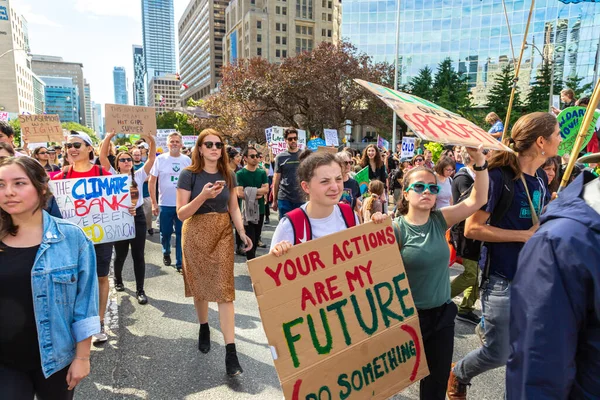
20, 385
138, 245
437, 329
253, 231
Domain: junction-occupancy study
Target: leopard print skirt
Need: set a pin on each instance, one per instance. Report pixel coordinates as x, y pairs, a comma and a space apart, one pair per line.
207, 243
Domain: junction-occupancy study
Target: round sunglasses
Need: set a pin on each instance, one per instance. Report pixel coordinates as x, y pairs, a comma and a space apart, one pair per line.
420, 187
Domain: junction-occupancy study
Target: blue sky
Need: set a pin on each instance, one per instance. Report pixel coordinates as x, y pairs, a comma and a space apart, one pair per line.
97, 33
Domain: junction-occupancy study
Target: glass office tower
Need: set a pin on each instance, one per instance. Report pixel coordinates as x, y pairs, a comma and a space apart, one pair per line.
158, 31
474, 34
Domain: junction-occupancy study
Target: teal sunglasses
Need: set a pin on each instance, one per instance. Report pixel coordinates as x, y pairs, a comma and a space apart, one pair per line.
420, 187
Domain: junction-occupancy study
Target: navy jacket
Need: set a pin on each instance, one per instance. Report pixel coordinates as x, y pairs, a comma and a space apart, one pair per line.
555, 304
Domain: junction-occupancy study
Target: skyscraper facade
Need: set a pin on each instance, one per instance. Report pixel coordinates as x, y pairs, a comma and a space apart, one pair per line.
163, 92
120, 85
474, 35
62, 98
201, 31
89, 117
158, 30
139, 69
97, 116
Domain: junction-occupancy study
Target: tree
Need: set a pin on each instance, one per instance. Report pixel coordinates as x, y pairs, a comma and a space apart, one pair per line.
74, 126
450, 88
538, 97
499, 95
573, 82
422, 84
174, 120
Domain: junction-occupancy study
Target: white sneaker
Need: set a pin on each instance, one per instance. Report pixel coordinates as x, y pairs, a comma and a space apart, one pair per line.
100, 337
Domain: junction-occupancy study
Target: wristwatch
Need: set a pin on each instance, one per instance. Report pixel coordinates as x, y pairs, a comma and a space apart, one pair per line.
482, 168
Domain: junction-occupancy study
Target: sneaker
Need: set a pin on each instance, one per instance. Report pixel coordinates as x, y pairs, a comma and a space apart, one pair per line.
267, 221
100, 337
469, 317
261, 244
232, 364
480, 333
141, 297
455, 389
167, 260
151, 231
179, 271
119, 287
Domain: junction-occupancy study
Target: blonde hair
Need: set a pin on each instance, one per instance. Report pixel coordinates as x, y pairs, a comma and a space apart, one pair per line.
376, 187
491, 118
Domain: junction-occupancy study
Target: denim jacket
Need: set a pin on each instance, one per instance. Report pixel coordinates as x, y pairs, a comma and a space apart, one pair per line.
65, 292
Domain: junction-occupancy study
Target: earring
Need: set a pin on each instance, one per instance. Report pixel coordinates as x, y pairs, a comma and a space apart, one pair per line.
543, 153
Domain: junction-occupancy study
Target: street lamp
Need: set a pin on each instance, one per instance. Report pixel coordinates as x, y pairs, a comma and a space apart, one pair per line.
11, 50
546, 60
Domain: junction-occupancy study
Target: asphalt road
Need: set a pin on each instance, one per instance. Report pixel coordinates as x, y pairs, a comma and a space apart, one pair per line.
152, 350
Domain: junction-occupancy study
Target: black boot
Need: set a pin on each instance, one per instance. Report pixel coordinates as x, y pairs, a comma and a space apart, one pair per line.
204, 338
232, 365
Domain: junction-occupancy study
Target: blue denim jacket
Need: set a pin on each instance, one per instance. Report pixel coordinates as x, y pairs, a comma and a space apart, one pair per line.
65, 292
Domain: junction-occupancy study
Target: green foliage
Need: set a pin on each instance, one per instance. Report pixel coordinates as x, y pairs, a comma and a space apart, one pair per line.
16, 125
450, 88
499, 95
74, 126
436, 150
538, 98
574, 83
422, 84
175, 120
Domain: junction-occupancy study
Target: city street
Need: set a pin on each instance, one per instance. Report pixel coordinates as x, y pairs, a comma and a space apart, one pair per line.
152, 351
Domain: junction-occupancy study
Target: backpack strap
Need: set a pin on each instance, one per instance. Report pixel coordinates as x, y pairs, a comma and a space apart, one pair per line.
348, 215
300, 225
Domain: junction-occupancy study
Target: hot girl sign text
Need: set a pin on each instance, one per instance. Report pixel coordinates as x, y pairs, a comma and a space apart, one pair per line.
339, 316
98, 205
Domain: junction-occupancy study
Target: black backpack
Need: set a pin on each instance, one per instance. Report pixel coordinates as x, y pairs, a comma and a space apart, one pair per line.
470, 248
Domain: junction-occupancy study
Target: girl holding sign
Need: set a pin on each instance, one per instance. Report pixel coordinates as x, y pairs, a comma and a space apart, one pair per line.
124, 165
207, 203
421, 234
48, 290
80, 152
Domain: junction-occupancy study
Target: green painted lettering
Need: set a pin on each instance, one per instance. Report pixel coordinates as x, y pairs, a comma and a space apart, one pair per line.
343, 382
386, 313
337, 306
313, 333
359, 317
290, 339
401, 293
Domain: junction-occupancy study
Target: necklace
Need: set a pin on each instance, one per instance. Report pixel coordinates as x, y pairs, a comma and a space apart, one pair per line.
417, 229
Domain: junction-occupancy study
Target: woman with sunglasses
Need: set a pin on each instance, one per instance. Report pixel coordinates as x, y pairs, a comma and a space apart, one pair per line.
207, 203
41, 154
124, 165
351, 194
80, 152
421, 235
53, 157
418, 161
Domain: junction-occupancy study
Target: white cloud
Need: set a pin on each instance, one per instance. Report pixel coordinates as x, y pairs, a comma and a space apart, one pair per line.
32, 17
110, 8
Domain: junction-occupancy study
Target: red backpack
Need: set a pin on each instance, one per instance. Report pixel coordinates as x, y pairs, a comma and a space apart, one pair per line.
301, 224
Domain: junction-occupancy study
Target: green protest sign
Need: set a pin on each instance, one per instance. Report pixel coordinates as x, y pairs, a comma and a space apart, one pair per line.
569, 123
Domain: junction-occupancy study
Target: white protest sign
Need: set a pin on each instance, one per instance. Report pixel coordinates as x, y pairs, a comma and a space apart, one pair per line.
3, 116
189, 141
331, 137
301, 139
161, 139
99, 205
408, 147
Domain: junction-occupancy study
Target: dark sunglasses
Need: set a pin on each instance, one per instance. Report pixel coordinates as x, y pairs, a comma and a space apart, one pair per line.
349, 162
419, 160
125, 159
71, 145
292, 138
42, 153
209, 145
253, 156
420, 187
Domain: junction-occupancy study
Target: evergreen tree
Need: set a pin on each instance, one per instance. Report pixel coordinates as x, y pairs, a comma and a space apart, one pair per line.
450, 88
573, 82
499, 95
422, 84
538, 98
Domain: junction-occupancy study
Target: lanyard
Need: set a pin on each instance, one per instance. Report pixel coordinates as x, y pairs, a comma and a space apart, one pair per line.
534, 216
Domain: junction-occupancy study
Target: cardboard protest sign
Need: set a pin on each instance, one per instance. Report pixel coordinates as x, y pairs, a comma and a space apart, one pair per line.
432, 122
41, 128
569, 123
408, 147
130, 119
315, 143
98, 205
339, 316
325, 149
331, 137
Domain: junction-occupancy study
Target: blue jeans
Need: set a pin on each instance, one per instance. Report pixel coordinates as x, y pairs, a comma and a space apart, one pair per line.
495, 297
285, 206
168, 219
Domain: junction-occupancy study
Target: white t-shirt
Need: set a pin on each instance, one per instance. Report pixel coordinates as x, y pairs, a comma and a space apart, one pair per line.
140, 177
320, 226
445, 194
167, 170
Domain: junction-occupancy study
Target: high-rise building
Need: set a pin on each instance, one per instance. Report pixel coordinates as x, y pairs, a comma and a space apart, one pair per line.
120, 85
97, 117
16, 76
57, 67
163, 92
139, 70
62, 98
89, 118
158, 30
475, 36
201, 32
278, 29
39, 94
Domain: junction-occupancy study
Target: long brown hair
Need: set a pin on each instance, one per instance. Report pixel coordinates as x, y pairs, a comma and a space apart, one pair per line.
132, 172
364, 161
39, 179
403, 207
223, 163
524, 134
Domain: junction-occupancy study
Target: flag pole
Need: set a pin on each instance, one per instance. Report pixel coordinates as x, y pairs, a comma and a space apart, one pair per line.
518, 69
583, 129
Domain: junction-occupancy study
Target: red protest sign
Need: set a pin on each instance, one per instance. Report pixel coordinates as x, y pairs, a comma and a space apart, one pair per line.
432, 122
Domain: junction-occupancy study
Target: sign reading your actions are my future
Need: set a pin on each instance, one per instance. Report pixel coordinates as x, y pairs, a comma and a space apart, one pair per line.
339, 316
41, 128
432, 122
130, 119
98, 205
